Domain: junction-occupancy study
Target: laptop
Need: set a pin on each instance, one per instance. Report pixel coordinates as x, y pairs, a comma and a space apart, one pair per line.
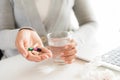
109, 58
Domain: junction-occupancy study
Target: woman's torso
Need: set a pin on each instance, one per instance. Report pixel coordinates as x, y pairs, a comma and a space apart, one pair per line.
44, 15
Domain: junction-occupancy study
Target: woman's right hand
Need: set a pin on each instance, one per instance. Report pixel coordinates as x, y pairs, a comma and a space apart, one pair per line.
29, 38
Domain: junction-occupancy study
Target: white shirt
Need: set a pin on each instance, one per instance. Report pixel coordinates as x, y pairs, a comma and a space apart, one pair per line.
21, 7
43, 8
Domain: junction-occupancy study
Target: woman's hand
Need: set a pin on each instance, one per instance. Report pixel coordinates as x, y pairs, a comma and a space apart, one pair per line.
70, 52
28, 38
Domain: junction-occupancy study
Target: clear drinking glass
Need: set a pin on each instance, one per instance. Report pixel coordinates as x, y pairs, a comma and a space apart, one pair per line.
56, 42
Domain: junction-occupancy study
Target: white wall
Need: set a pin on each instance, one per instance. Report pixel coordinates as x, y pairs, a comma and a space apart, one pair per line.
107, 13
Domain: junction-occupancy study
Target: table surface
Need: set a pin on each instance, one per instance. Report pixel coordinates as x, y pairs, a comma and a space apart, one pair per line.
18, 68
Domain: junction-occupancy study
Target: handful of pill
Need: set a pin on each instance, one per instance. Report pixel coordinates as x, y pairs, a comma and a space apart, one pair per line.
34, 49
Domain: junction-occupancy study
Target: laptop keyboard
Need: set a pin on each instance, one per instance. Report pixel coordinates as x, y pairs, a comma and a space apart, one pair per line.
112, 57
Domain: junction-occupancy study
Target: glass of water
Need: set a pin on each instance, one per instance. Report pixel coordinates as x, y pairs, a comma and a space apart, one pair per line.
56, 42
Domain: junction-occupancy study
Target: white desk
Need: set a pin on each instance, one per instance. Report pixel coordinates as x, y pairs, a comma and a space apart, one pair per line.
18, 68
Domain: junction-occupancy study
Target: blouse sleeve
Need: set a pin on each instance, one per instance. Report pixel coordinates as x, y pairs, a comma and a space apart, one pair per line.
7, 25
87, 23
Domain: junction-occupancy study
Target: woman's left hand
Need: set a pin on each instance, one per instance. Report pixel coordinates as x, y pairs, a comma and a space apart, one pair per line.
69, 53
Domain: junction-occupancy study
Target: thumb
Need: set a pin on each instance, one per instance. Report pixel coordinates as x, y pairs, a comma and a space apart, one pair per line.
25, 47
22, 49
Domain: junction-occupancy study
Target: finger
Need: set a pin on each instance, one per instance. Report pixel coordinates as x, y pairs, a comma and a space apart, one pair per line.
46, 52
36, 52
69, 59
45, 56
69, 62
27, 44
35, 55
71, 45
32, 57
37, 48
21, 48
38, 40
38, 45
69, 53
40, 55
35, 45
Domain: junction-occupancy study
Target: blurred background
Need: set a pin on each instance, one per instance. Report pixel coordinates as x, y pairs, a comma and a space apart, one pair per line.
107, 14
